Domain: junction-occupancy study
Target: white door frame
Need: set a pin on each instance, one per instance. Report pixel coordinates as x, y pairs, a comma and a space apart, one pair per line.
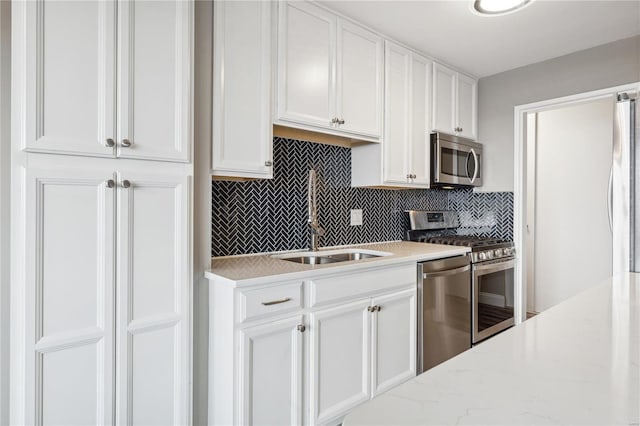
520, 178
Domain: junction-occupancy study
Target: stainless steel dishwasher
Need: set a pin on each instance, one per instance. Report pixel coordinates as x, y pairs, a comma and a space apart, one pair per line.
444, 310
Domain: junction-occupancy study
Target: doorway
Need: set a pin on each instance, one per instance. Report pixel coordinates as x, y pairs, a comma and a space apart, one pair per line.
569, 242
563, 151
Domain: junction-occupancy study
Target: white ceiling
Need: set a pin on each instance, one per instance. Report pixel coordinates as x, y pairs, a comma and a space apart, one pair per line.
447, 30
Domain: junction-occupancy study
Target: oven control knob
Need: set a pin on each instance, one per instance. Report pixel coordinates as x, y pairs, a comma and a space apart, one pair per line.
482, 256
490, 254
498, 253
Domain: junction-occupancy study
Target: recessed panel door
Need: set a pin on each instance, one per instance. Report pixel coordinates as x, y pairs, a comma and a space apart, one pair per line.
64, 76
69, 272
154, 52
153, 298
340, 359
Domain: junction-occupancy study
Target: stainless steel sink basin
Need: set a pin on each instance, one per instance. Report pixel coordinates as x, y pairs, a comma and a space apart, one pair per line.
321, 258
345, 257
310, 260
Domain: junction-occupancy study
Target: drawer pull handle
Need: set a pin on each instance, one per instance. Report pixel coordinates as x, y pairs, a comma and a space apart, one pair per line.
276, 302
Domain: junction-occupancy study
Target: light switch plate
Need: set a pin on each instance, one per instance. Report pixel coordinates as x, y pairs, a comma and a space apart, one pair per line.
356, 217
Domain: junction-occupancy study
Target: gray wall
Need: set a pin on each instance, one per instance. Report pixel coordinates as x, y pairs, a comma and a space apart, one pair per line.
600, 67
5, 145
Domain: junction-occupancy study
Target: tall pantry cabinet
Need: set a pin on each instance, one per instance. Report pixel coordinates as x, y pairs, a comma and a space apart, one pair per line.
101, 196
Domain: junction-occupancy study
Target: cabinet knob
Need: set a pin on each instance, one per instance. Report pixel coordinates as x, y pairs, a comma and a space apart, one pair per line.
334, 120
126, 143
126, 184
110, 183
268, 163
341, 121
301, 328
109, 143
378, 308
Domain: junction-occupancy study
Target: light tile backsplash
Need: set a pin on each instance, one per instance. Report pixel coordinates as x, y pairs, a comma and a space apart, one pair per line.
271, 215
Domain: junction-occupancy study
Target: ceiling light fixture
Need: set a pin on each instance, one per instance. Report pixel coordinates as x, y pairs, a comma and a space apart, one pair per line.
497, 7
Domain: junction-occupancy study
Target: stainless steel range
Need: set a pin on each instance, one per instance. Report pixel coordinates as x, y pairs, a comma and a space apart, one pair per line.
492, 266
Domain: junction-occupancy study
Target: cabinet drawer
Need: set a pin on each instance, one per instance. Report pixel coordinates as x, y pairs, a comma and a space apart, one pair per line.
269, 301
344, 287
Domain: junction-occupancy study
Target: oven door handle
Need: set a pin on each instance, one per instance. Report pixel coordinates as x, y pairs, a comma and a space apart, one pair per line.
498, 265
446, 272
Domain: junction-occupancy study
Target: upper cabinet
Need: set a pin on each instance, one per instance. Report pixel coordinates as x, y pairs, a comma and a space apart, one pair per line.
242, 130
329, 73
81, 93
403, 160
455, 99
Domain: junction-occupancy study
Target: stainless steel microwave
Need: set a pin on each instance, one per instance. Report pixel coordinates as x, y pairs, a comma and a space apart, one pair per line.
455, 161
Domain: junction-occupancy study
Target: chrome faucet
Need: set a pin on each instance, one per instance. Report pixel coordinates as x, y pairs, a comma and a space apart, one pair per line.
314, 226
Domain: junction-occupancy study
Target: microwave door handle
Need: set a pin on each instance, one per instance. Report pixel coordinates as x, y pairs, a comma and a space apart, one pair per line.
475, 162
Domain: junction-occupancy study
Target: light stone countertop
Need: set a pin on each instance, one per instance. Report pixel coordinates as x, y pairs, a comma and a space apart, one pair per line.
574, 364
239, 271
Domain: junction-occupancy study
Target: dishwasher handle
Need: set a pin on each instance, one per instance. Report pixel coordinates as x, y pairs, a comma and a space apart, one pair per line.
446, 273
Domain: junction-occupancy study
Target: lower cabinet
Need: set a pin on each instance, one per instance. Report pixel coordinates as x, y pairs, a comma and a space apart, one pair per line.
313, 365
271, 372
100, 310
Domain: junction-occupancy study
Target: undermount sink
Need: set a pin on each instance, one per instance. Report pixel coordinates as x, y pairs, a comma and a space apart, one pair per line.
310, 260
321, 258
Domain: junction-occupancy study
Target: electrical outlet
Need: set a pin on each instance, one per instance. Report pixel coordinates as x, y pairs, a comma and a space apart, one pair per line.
356, 217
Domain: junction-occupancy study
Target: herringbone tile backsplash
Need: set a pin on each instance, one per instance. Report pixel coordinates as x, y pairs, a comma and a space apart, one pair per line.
271, 215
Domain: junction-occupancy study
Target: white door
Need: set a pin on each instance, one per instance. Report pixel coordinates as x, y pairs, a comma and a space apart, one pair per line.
154, 64
340, 359
397, 113
359, 80
394, 340
69, 275
467, 106
153, 293
242, 129
306, 64
419, 152
271, 373
573, 242
444, 99
64, 79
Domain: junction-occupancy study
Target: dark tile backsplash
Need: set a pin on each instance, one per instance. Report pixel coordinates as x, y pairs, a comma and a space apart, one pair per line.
271, 215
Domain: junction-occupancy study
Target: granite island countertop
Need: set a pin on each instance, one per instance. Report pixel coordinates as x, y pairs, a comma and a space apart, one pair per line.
246, 270
576, 363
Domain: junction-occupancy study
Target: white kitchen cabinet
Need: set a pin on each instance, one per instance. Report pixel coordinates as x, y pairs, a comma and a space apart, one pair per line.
67, 321
83, 232
272, 371
454, 102
68, 70
242, 130
393, 343
270, 338
329, 73
153, 337
340, 360
404, 158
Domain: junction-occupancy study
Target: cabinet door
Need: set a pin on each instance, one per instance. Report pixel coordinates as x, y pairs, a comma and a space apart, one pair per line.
242, 130
68, 309
306, 56
155, 45
444, 99
64, 79
271, 374
394, 340
359, 79
340, 359
467, 106
419, 152
153, 269
397, 111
